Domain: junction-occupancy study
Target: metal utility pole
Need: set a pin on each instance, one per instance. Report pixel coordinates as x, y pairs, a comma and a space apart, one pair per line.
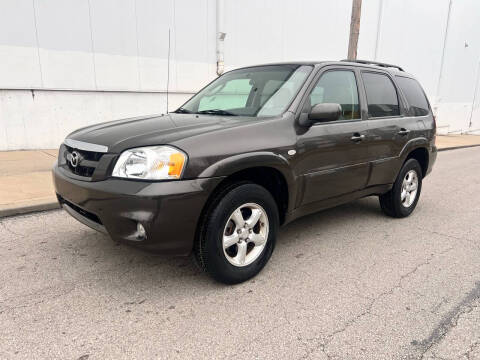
354, 29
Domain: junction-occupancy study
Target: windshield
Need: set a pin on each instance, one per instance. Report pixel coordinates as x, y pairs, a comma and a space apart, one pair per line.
256, 91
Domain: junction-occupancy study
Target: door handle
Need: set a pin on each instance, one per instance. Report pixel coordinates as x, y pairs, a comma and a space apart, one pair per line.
403, 132
357, 137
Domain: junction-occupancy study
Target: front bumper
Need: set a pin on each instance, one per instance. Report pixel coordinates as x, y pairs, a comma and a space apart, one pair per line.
168, 210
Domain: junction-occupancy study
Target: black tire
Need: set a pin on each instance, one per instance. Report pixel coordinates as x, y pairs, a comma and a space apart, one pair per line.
208, 250
391, 202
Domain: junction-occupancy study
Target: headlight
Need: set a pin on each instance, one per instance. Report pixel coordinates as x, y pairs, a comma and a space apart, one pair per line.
150, 163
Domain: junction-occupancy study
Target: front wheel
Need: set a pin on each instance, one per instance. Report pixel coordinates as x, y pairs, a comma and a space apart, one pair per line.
237, 233
402, 199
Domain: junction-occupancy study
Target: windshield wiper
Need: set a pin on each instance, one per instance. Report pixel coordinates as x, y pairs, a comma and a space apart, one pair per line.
217, 112
182, 111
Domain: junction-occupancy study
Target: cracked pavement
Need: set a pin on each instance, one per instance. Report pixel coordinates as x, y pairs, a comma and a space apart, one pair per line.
346, 283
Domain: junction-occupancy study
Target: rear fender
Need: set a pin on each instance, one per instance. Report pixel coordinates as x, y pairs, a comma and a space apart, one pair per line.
411, 145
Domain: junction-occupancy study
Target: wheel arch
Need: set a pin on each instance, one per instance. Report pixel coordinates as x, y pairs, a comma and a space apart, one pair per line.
269, 170
416, 149
421, 155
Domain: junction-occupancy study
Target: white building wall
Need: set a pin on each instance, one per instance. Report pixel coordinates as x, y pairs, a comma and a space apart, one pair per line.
106, 45
90, 61
285, 30
417, 35
457, 110
65, 64
39, 119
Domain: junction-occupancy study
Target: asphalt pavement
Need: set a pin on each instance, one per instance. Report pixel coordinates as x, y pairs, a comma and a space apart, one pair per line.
346, 283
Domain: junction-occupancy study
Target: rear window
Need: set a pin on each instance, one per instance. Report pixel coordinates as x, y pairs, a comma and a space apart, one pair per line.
415, 96
382, 97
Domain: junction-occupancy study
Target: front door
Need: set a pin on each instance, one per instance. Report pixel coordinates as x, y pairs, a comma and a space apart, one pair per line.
333, 156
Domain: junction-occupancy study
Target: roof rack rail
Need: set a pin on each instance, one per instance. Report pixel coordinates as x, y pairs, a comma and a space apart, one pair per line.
367, 62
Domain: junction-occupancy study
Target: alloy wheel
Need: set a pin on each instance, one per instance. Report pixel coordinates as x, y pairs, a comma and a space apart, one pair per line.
245, 234
409, 188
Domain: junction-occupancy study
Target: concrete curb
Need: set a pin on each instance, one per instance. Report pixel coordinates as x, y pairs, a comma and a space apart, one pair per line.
27, 209
458, 147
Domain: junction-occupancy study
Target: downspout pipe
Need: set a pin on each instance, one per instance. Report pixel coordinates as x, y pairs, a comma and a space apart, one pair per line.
220, 35
438, 98
379, 27
444, 50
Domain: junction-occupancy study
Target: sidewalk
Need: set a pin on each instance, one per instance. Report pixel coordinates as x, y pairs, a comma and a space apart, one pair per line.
448, 142
26, 180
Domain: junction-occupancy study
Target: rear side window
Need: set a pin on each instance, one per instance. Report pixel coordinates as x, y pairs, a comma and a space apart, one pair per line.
382, 97
415, 96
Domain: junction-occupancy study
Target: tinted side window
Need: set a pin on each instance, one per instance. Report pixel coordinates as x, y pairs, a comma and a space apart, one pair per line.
339, 87
381, 95
416, 98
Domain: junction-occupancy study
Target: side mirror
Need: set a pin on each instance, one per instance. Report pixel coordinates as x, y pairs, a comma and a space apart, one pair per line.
325, 112
320, 113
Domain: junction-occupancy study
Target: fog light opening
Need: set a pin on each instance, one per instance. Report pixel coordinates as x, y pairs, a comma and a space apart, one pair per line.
141, 233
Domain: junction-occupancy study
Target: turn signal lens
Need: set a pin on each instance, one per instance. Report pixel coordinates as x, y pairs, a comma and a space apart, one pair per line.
176, 165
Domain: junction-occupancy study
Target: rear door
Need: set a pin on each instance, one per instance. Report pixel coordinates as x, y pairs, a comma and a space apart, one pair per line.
333, 156
389, 126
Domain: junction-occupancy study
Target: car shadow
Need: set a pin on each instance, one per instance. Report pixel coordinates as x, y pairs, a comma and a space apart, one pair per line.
334, 218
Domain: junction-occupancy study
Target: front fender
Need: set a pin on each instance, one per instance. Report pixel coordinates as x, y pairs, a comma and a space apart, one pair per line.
236, 163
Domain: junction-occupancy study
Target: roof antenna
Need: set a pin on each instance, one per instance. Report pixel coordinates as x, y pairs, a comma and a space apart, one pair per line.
168, 66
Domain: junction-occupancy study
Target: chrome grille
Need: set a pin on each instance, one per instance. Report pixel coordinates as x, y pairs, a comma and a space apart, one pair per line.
85, 162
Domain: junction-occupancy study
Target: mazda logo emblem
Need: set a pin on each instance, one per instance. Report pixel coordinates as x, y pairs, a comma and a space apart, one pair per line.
74, 159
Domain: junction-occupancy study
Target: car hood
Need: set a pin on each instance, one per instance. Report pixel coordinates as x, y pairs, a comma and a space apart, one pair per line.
153, 130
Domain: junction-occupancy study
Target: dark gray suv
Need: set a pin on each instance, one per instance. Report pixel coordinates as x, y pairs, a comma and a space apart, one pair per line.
256, 148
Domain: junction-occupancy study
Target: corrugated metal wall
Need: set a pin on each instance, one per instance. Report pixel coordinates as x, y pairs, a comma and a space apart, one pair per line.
96, 60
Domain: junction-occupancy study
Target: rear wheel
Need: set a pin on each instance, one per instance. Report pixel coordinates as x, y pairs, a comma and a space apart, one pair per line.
237, 233
402, 199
